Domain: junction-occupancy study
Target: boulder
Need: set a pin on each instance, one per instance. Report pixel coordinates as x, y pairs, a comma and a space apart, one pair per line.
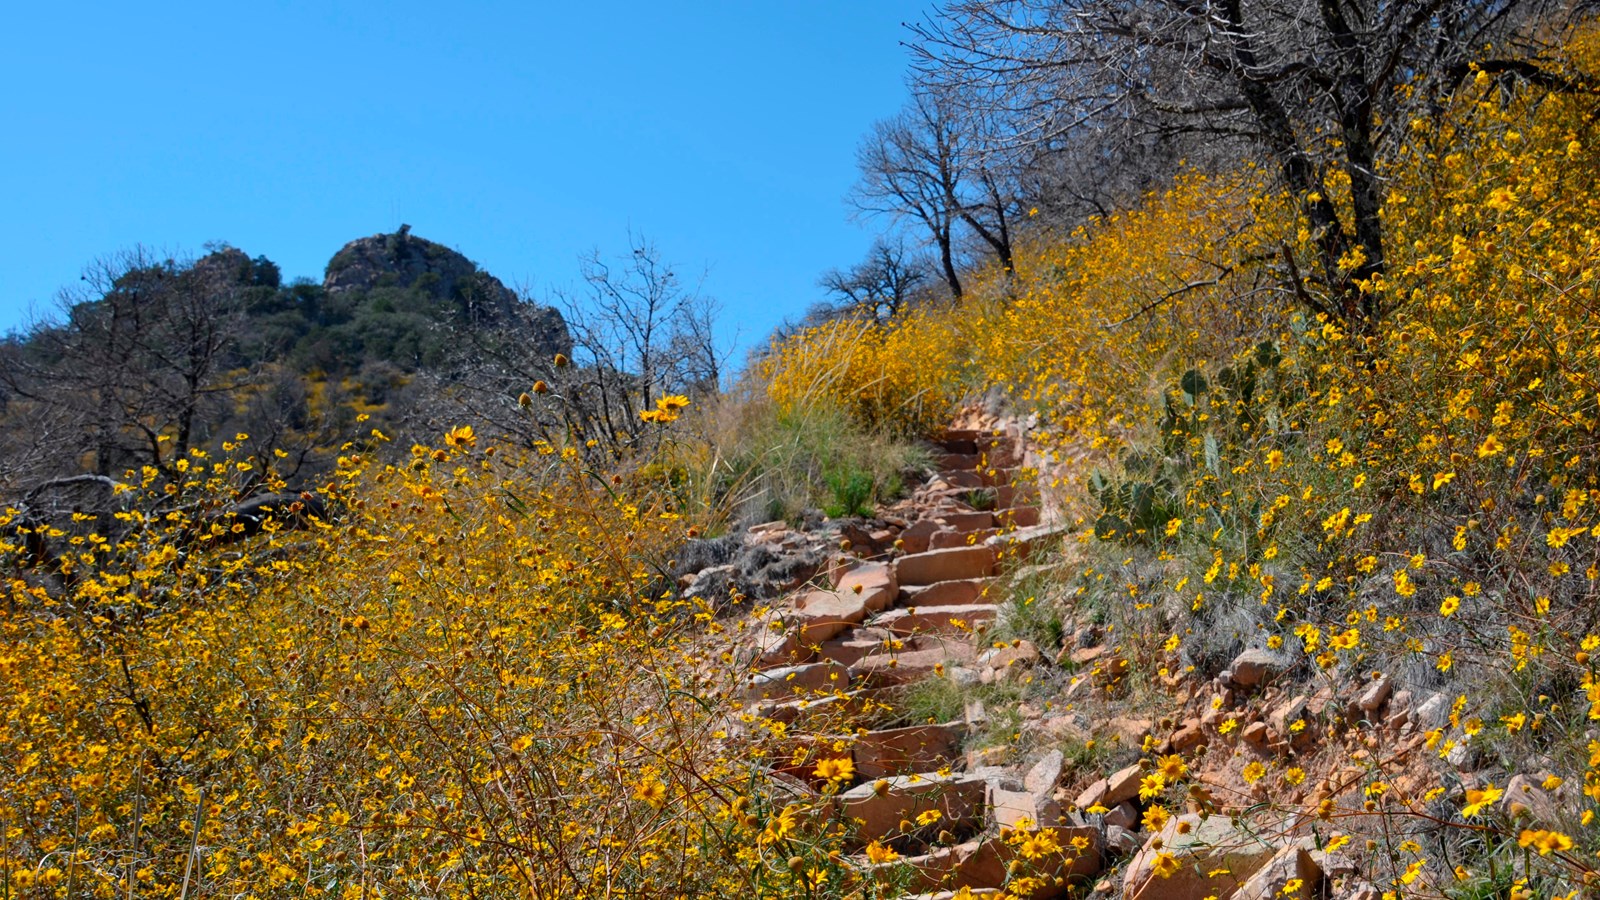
1022, 809
1290, 863
1525, 797
1373, 697
1123, 815
1213, 856
914, 539
1257, 667
901, 751
1042, 777
879, 807
874, 583
1020, 654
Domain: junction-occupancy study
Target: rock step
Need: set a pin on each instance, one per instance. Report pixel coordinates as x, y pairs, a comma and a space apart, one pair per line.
879, 807
953, 564
948, 593
816, 714
983, 865
904, 751
944, 540
1023, 543
963, 618
797, 682
973, 478
967, 521
890, 669
947, 462
1017, 516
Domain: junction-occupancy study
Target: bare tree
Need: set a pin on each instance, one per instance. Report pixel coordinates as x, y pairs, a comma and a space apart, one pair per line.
137, 365
909, 170
938, 170
882, 284
638, 334
1325, 87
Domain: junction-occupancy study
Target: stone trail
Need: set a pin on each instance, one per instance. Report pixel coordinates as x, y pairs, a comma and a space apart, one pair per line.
921, 598
916, 604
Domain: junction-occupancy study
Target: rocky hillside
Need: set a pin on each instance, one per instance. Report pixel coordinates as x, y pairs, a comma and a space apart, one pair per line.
402, 260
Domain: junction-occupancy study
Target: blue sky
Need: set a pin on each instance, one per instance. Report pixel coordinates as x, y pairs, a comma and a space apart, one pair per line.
522, 134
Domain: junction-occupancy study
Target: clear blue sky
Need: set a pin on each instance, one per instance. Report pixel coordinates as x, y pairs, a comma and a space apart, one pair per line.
522, 134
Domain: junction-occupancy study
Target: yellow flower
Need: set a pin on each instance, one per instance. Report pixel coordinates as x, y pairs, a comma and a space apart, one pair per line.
1253, 772
461, 436
1172, 767
1478, 800
650, 791
1449, 606
878, 853
672, 404
840, 769
1546, 842
1155, 818
1164, 866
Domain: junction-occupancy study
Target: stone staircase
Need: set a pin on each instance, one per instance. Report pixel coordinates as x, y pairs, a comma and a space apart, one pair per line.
916, 601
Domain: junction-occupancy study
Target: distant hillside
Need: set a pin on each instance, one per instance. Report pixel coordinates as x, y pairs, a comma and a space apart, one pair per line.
156, 357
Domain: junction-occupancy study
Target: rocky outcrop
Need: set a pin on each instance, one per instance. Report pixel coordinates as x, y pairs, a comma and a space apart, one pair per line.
405, 261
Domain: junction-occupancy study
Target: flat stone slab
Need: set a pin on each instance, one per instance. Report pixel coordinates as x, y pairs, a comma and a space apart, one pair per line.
953, 619
884, 669
820, 615
968, 521
902, 751
934, 566
943, 540
946, 593
874, 583
791, 682
1214, 857
881, 805
1018, 516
